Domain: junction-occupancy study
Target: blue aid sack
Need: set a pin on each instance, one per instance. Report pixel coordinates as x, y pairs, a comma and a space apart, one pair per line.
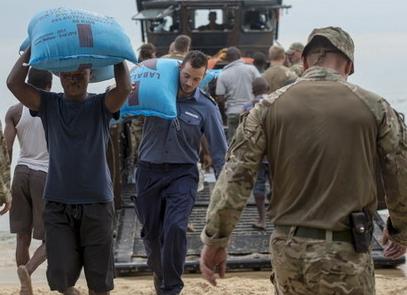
155, 86
209, 76
98, 74
65, 40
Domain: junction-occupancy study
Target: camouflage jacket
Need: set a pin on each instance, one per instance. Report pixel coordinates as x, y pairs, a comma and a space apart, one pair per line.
175, 55
298, 69
4, 170
278, 76
250, 144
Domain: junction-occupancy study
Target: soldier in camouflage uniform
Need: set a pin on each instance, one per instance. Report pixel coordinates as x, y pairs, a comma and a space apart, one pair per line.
5, 196
134, 133
179, 48
322, 136
278, 75
294, 56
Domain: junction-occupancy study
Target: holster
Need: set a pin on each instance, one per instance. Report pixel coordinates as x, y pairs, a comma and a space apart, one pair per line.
362, 230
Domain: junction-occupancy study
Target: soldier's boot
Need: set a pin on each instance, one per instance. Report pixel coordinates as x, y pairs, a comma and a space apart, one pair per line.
25, 281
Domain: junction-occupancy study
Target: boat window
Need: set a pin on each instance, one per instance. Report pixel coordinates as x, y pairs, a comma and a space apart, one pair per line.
257, 19
211, 20
169, 23
160, 20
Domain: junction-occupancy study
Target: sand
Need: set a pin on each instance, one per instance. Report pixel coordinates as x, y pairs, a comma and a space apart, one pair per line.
253, 283
388, 281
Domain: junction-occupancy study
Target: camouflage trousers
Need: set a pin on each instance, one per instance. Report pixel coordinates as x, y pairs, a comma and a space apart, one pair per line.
136, 131
134, 135
308, 266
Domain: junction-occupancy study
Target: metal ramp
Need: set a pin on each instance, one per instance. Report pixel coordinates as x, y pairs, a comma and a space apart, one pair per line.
248, 247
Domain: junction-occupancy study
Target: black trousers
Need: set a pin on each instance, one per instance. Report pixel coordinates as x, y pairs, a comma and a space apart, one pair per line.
79, 235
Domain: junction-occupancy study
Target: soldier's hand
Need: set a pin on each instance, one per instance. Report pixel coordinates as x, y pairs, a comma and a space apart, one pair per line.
392, 249
6, 208
212, 258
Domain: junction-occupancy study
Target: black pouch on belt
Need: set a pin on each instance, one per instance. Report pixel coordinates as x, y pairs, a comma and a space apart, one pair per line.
362, 230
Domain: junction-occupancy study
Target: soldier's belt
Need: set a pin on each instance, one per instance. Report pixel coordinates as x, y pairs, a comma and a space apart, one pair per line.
316, 233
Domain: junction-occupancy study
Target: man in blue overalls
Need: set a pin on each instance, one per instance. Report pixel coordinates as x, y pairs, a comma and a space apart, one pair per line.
167, 174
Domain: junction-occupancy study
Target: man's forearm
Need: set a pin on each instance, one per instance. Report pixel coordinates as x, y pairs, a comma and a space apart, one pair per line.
393, 163
122, 77
4, 173
118, 94
10, 134
27, 94
19, 71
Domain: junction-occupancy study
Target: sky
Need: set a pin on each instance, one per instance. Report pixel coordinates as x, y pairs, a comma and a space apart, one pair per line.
378, 28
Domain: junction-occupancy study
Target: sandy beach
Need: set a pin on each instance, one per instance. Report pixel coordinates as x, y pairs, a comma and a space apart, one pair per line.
243, 283
388, 281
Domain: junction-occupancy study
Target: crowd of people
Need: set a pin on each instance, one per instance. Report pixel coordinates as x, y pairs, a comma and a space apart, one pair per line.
296, 124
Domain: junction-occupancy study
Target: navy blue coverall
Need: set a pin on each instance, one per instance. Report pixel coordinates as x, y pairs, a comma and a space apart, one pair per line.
167, 179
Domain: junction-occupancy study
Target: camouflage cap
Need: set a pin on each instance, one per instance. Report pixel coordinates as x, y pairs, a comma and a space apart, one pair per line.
296, 46
340, 39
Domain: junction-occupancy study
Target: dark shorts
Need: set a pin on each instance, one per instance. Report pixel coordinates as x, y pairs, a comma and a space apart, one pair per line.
76, 236
261, 180
28, 205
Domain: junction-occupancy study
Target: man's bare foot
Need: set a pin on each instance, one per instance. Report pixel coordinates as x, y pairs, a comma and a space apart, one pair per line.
259, 225
190, 228
72, 291
25, 281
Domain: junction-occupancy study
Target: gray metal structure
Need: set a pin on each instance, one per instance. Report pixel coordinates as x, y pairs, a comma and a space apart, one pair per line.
248, 249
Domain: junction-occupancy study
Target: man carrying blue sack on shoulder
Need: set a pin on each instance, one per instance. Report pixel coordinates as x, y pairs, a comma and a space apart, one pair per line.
167, 174
79, 210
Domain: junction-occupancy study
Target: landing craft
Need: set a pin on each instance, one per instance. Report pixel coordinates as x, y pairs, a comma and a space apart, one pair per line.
212, 25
